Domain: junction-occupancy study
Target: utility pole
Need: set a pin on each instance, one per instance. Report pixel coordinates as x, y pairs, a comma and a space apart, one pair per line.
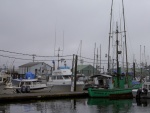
33, 56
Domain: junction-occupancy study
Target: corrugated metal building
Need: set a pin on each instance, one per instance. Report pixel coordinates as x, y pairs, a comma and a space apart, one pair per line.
87, 70
36, 68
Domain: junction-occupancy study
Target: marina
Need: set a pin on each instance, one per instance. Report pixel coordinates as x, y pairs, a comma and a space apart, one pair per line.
44, 68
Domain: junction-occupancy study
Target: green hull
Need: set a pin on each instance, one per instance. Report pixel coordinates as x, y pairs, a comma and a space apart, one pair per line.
110, 93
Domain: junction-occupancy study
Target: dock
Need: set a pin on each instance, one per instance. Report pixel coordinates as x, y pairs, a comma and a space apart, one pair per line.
47, 95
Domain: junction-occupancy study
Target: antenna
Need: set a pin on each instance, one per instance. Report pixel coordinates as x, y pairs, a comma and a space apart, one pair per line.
55, 42
63, 42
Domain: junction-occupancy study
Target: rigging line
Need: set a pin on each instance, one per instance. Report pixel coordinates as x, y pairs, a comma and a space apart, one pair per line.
92, 62
130, 41
91, 59
15, 57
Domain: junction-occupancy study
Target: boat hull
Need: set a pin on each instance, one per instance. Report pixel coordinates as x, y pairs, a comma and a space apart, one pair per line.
65, 88
110, 93
134, 92
140, 95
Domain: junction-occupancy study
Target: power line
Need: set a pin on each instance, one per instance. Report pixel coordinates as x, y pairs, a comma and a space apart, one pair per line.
32, 54
15, 57
16, 53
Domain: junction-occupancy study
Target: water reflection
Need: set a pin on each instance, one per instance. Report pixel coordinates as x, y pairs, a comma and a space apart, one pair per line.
111, 106
142, 102
86, 105
50, 106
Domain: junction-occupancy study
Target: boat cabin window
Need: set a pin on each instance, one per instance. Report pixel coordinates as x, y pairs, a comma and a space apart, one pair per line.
145, 86
101, 82
21, 84
0, 78
53, 77
59, 77
28, 83
66, 77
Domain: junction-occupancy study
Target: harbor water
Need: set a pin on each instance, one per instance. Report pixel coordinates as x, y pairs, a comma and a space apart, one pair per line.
77, 105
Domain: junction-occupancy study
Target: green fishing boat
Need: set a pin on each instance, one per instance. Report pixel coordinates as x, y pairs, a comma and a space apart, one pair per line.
109, 86
118, 84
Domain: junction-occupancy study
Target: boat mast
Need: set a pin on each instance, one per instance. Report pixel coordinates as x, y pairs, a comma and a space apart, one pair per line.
117, 52
100, 58
110, 37
125, 42
94, 60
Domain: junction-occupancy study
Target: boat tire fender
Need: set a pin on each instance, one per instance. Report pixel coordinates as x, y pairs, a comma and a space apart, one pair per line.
23, 89
145, 91
28, 89
138, 95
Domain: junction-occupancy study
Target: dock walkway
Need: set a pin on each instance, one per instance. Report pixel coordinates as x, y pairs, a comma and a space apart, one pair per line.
30, 96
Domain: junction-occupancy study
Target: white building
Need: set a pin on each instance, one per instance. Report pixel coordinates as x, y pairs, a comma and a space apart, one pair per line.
37, 68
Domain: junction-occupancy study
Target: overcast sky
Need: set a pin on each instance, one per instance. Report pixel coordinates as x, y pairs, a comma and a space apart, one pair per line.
29, 27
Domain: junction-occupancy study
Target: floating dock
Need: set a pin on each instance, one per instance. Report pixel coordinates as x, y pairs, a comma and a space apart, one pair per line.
32, 96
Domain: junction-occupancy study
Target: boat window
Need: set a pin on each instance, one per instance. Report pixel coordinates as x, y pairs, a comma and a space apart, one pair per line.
53, 77
59, 77
0, 78
145, 86
149, 87
28, 83
66, 77
21, 84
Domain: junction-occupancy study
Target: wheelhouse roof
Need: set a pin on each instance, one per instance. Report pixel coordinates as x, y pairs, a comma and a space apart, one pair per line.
101, 75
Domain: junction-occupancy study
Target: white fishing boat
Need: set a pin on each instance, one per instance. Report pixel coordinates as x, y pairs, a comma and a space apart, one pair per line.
62, 81
144, 91
3, 77
29, 84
